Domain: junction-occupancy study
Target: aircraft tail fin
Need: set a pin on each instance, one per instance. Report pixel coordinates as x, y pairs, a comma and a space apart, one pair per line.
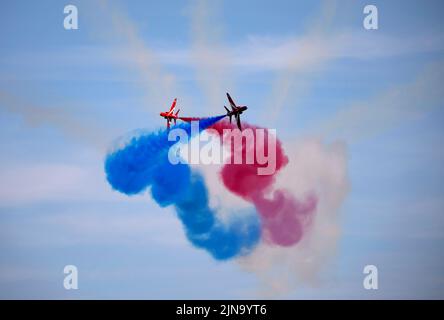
228, 113
173, 105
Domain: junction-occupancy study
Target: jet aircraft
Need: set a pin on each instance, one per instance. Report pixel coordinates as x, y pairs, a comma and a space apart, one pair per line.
235, 111
170, 115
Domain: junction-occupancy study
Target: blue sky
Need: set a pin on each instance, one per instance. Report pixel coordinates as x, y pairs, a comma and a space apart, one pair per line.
306, 68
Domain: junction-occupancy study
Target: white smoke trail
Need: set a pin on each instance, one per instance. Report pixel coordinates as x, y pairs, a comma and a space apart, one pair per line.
159, 86
398, 104
208, 54
314, 166
313, 52
63, 120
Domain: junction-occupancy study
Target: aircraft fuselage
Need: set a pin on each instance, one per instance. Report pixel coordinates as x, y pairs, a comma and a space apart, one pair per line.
238, 110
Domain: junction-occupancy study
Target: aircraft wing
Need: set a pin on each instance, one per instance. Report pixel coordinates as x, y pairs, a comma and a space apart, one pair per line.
233, 105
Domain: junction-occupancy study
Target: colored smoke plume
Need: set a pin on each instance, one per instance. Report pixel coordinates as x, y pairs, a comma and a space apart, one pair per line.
284, 218
143, 163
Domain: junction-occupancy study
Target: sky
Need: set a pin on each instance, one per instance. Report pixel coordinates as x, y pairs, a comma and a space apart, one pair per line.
359, 111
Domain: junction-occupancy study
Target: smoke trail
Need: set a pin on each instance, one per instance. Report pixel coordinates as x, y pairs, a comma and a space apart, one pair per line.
313, 53
322, 168
143, 163
283, 217
63, 120
207, 53
156, 82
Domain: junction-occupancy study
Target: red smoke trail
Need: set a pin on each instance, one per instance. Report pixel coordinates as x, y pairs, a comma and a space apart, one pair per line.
284, 218
189, 119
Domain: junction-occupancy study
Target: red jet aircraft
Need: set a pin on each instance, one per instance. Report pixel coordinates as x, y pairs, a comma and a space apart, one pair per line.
170, 115
236, 111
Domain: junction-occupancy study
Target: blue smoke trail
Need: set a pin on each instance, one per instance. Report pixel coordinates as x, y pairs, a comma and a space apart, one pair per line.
144, 163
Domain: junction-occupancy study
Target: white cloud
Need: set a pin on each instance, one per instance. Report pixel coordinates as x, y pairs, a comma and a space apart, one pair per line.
392, 107
135, 227
256, 53
54, 182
